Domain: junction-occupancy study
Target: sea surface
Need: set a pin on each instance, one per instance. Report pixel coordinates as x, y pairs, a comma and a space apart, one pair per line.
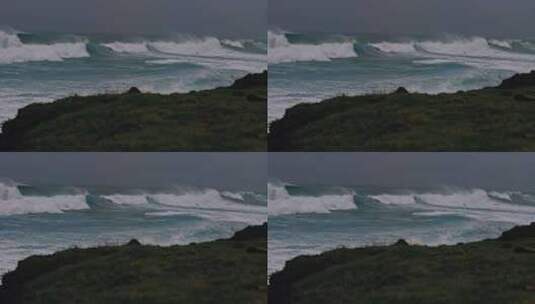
43, 219
314, 67
310, 219
43, 67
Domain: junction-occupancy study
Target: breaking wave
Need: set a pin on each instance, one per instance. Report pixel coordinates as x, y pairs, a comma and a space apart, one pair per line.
281, 202
206, 203
201, 47
13, 50
476, 52
281, 50
13, 202
476, 203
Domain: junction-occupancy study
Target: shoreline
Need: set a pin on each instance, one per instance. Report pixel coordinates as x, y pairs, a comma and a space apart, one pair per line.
221, 119
488, 119
403, 273
137, 272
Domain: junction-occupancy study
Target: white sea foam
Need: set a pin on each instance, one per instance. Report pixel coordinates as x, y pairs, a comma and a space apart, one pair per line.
280, 202
128, 47
202, 47
476, 52
233, 43
463, 201
281, 50
12, 202
12, 50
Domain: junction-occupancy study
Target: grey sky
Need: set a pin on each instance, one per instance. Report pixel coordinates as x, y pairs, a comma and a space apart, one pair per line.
232, 18
514, 18
226, 171
509, 171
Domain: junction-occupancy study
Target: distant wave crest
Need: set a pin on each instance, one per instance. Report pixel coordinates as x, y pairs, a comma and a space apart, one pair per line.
281, 50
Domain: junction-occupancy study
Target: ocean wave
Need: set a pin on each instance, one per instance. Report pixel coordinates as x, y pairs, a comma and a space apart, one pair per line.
208, 202
12, 202
13, 50
200, 47
462, 200
281, 50
280, 202
477, 52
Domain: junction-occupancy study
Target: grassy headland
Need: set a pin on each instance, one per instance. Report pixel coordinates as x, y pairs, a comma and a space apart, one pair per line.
490, 119
500, 271
222, 119
222, 271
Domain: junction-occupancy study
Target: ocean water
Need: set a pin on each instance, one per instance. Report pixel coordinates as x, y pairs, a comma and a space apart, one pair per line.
307, 219
36, 67
37, 219
311, 68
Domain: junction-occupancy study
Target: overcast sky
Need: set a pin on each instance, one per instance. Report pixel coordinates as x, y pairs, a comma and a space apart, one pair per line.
224, 171
233, 18
508, 171
471, 17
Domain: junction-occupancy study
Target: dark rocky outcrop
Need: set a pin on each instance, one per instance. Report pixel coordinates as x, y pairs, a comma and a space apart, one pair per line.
519, 232
223, 119
519, 81
471, 273
224, 271
489, 119
401, 90
251, 233
250, 81
134, 90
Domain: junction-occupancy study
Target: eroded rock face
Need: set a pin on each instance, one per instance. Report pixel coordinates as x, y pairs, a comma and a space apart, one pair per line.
518, 81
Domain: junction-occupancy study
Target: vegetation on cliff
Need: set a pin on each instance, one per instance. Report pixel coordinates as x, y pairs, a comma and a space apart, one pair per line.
222, 271
500, 271
223, 119
490, 119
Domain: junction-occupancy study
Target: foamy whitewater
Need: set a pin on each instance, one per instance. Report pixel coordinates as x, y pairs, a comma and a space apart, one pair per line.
306, 219
44, 219
45, 67
311, 68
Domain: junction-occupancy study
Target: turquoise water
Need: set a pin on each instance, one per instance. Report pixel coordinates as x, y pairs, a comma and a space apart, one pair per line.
45, 67
44, 219
309, 219
311, 67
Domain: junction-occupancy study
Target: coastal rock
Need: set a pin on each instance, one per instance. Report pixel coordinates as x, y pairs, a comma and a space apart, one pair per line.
209, 120
418, 122
134, 90
519, 80
133, 242
251, 233
413, 274
401, 243
202, 273
251, 80
401, 90
519, 232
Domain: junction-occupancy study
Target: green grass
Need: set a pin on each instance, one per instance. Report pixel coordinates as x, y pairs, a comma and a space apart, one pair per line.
488, 272
224, 271
490, 119
222, 119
